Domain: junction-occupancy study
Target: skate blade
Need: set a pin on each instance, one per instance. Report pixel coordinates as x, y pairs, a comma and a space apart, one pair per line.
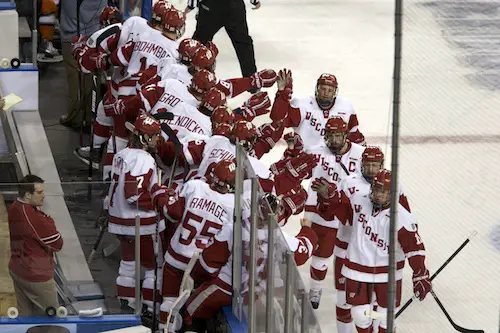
40, 57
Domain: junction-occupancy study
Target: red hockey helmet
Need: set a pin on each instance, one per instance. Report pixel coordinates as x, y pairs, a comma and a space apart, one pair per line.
172, 20
223, 130
212, 99
212, 47
372, 154
381, 189
110, 15
336, 124
158, 9
222, 115
246, 133
187, 49
203, 81
335, 133
326, 90
203, 59
223, 176
145, 124
372, 161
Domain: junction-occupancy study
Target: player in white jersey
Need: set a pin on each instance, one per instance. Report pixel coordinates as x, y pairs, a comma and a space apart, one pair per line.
201, 209
372, 162
213, 271
339, 159
134, 190
164, 95
308, 116
123, 82
365, 268
90, 55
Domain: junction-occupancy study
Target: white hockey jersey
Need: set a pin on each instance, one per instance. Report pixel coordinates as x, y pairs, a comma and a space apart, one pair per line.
208, 152
331, 167
188, 119
133, 177
202, 212
368, 250
177, 72
142, 52
310, 123
165, 95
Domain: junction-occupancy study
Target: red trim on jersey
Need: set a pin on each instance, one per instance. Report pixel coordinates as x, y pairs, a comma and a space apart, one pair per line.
341, 244
125, 291
131, 222
178, 257
372, 270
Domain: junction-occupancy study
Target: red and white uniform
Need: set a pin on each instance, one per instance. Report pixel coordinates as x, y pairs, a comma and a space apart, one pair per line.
166, 95
329, 167
177, 72
134, 179
207, 153
214, 267
368, 250
201, 212
309, 120
188, 119
137, 55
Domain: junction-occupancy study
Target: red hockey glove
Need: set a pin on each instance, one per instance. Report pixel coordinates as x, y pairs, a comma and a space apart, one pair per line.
263, 79
160, 195
100, 60
324, 188
285, 84
421, 283
293, 201
78, 44
269, 132
114, 107
295, 145
299, 167
255, 106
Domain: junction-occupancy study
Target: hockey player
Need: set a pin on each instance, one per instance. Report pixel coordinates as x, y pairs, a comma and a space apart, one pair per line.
372, 162
134, 190
213, 271
201, 209
89, 55
163, 96
365, 269
338, 160
308, 116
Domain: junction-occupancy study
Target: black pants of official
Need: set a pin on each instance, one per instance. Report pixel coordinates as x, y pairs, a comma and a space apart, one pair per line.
230, 14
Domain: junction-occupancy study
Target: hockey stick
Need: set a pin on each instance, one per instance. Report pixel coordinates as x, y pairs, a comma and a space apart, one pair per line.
177, 146
455, 326
472, 235
95, 102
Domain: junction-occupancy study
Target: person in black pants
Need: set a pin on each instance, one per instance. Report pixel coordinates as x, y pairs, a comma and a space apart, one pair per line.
232, 15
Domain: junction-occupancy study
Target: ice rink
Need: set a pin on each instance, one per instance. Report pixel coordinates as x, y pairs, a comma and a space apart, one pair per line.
449, 127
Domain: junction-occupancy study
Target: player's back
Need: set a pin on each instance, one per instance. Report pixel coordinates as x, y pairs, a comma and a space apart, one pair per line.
178, 72
150, 48
217, 148
206, 211
174, 93
188, 119
130, 162
132, 28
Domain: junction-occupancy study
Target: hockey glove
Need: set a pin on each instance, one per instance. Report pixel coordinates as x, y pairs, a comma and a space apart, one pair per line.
100, 60
293, 201
263, 79
255, 106
295, 145
160, 195
324, 188
270, 132
299, 167
114, 107
421, 283
78, 44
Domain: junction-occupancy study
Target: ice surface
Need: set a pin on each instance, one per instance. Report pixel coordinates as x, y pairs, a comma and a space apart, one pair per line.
449, 126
